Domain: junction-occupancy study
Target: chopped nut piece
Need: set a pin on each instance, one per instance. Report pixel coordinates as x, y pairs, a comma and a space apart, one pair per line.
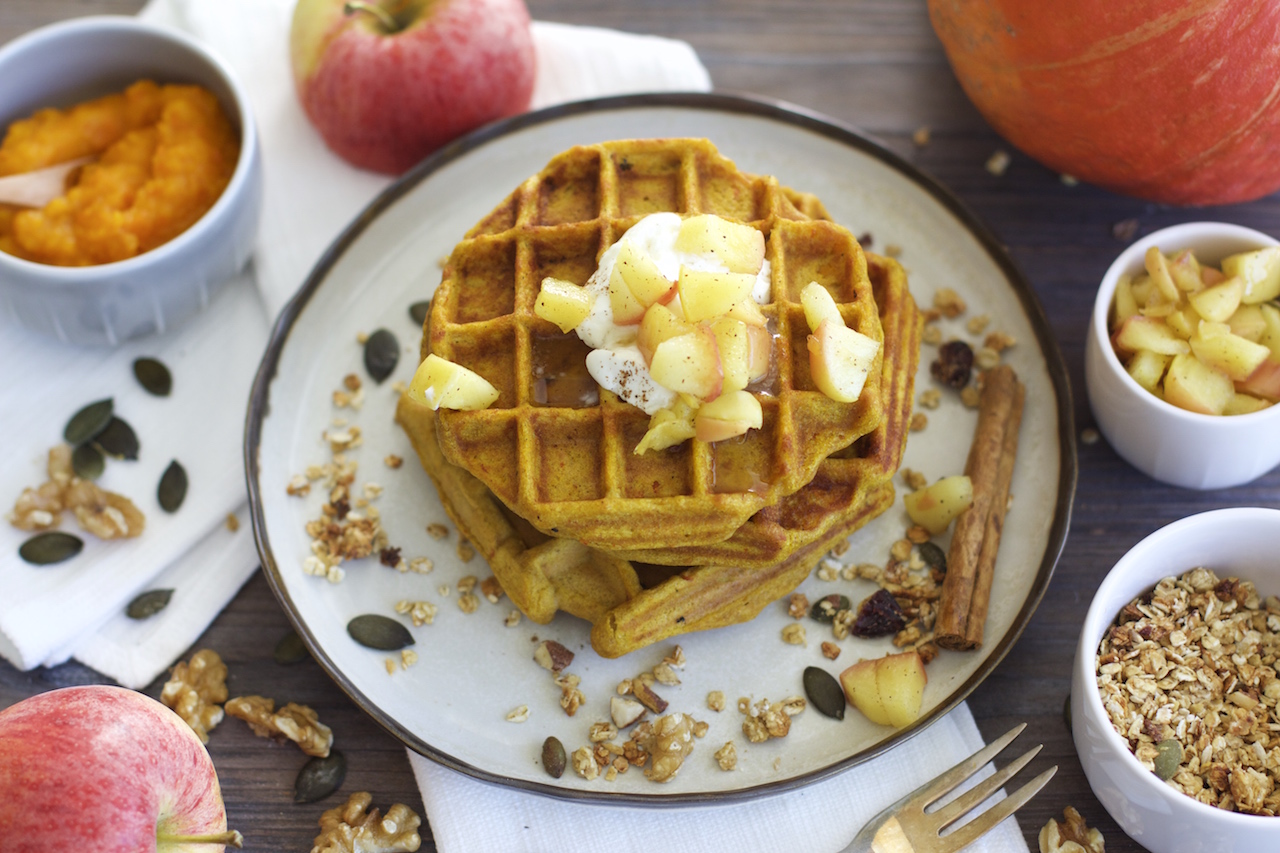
676, 658
349, 828
665, 674
985, 358
919, 421
408, 657
830, 651
421, 565
392, 461
766, 720
914, 479
648, 698
351, 382
491, 589
670, 744
624, 712
294, 722
901, 549
467, 583
949, 303
1089, 436
390, 665
793, 635
917, 534
931, 335
571, 697
978, 324
552, 656
513, 619
584, 763
921, 136
518, 714
931, 398
998, 162
600, 732
106, 515
233, 523
299, 486
437, 531
798, 605
715, 700
194, 691
727, 756
1070, 835
466, 553
421, 612
999, 341
828, 570
840, 548
970, 396
468, 602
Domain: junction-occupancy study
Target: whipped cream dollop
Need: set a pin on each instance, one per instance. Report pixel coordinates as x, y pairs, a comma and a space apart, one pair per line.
615, 361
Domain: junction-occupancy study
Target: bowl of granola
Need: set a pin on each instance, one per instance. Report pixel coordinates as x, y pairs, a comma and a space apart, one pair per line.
1175, 689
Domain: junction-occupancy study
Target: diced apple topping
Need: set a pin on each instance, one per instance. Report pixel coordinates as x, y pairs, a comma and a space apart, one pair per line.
441, 384
668, 427
659, 324
818, 305
734, 346
689, 364
706, 295
1203, 339
889, 691
934, 506
840, 359
739, 247
627, 310
727, 416
563, 303
1260, 271
642, 276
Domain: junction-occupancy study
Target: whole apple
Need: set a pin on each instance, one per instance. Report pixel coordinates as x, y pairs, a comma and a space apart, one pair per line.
105, 769
386, 83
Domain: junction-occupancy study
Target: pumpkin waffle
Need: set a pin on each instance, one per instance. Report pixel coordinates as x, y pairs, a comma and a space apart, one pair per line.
633, 604
556, 449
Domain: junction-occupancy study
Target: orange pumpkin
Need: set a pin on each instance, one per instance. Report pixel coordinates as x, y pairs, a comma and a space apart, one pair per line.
1170, 100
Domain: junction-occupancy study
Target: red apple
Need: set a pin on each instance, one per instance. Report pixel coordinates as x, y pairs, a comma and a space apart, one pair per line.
387, 83
105, 769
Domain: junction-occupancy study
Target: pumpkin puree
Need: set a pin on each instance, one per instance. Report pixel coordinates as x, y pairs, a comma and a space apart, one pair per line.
165, 154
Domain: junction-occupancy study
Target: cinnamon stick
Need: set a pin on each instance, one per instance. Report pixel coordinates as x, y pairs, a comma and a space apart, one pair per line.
966, 591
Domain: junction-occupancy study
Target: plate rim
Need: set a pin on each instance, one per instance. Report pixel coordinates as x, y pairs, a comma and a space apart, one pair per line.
751, 105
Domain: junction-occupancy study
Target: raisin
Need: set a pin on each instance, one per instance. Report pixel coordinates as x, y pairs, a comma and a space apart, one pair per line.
878, 615
389, 557
953, 364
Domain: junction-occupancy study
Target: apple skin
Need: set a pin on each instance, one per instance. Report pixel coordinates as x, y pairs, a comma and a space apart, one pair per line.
383, 101
103, 768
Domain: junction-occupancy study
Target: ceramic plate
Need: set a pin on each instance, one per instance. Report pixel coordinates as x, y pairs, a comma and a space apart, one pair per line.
472, 669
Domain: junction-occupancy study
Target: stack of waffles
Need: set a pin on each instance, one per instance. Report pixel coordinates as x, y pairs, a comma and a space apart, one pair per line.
545, 481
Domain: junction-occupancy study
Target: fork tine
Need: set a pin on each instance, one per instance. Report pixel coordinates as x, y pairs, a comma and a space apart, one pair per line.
947, 781
985, 822
963, 804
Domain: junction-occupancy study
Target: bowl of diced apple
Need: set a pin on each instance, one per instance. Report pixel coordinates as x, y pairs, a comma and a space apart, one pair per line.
1182, 360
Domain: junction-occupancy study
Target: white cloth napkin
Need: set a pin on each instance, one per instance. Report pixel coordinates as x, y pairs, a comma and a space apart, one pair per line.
467, 815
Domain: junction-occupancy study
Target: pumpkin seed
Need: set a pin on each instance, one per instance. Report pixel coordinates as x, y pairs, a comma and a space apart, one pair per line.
87, 462
1168, 759
418, 311
320, 777
173, 487
824, 692
88, 422
825, 609
553, 757
379, 632
933, 556
148, 604
53, 546
153, 376
118, 439
290, 649
381, 353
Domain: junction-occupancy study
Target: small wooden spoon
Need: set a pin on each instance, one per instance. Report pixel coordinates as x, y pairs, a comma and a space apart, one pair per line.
38, 188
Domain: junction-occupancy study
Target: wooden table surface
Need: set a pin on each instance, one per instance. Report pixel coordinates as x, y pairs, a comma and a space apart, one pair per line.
877, 65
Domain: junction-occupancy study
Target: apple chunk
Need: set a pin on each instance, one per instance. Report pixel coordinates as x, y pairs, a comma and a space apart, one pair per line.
818, 306
441, 384
659, 324
1138, 332
1260, 270
1190, 385
667, 428
1216, 304
641, 275
1147, 369
563, 303
840, 360
689, 364
705, 295
739, 247
1218, 348
935, 505
734, 343
1264, 381
727, 416
888, 691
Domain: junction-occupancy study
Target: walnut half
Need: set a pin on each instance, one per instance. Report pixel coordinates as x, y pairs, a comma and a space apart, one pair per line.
294, 722
1070, 835
355, 828
194, 691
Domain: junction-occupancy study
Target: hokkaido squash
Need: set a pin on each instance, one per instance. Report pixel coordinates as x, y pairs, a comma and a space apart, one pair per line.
1169, 100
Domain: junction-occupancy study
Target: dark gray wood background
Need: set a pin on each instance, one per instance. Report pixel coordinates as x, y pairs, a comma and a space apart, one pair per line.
877, 65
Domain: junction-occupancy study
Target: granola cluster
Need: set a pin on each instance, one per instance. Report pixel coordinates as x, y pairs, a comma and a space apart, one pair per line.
1188, 674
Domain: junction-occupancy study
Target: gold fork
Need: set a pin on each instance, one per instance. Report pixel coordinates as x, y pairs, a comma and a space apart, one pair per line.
907, 826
